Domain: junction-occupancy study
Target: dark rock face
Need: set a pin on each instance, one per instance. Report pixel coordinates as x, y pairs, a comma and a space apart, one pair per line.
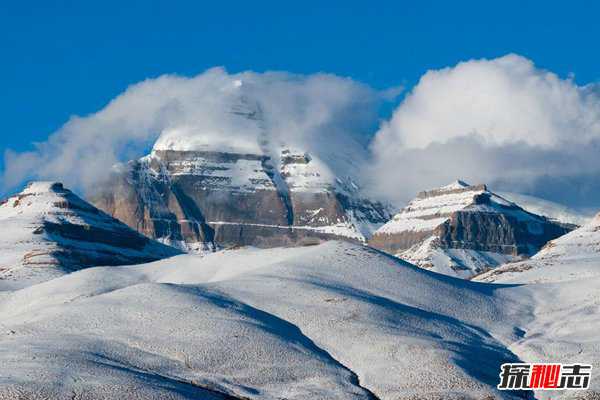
569, 257
198, 200
498, 233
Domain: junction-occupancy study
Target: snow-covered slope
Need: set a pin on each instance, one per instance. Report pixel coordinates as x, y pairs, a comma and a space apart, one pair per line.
46, 231
549, 209
333, 321
462, 230
573, 256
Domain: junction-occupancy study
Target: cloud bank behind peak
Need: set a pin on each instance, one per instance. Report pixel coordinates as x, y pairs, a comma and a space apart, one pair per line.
502, 121
499, 121
213, 110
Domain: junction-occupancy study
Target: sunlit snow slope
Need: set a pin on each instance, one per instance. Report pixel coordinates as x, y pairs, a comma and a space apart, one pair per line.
333, 321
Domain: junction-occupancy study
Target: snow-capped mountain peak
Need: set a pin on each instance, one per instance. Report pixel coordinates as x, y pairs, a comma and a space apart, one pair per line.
232, 180
47, 230
457, 184
463, 230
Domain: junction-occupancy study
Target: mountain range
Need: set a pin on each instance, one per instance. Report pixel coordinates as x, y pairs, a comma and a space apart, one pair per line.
171, 201
263, 271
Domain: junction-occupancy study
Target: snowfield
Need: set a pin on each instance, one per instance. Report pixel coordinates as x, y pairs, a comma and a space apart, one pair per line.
333, 321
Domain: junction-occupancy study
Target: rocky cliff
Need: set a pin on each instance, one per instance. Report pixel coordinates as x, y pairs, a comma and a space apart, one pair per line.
239, 182
463, 230
198, 200
47, 230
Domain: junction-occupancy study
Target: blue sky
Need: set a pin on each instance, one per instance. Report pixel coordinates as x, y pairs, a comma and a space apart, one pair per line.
64, 58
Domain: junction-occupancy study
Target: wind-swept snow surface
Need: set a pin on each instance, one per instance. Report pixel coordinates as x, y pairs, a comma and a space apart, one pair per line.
333, 321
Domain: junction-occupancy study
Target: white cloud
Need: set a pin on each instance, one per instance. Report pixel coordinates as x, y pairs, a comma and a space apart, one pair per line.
313, 112
501, 121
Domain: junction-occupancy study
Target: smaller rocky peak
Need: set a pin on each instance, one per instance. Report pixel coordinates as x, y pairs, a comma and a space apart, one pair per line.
48, 230
42, 195
457, 184
454, 229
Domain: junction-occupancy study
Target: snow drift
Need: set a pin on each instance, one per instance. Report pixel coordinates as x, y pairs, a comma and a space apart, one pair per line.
333, 321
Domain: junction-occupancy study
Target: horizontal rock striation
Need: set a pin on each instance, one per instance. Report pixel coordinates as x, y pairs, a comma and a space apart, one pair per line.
199, 200
504, 228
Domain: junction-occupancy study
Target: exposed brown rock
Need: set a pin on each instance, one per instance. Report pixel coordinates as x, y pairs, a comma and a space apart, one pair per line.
202, 199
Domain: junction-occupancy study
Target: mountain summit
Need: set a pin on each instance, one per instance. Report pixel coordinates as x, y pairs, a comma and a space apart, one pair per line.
198, 193
47, 231
463, 230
